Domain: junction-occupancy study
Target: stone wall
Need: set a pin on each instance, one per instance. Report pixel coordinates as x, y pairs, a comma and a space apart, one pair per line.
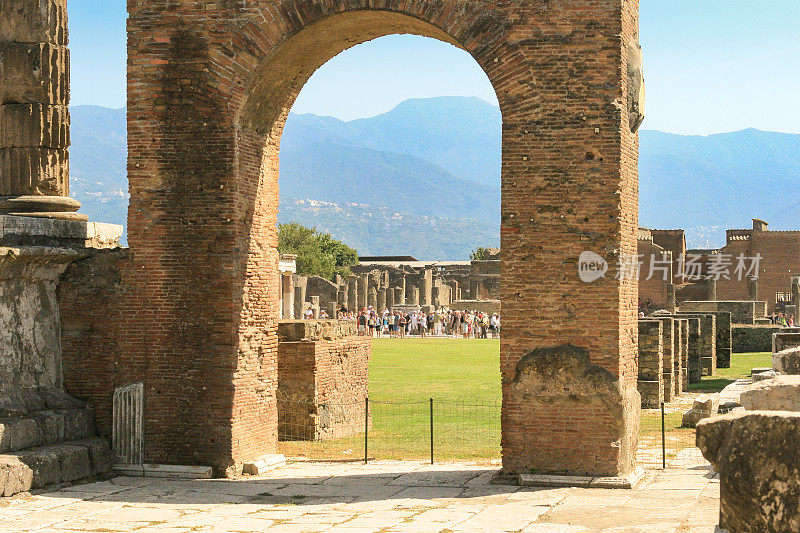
742, 312
707, 342
671, 357
323, 379
651, 363
746, 339
786, 338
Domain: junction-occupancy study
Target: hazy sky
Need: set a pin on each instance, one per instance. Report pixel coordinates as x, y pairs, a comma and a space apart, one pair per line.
710, 66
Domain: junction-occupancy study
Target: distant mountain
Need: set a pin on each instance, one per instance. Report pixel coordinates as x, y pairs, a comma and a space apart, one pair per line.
423, 179
459, 134
708, 184
98, 163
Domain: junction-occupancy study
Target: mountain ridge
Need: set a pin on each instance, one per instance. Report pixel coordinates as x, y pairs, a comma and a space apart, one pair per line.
425, 167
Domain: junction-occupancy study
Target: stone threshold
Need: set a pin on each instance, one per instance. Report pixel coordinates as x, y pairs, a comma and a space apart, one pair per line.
164, 471
264, 464
631, 481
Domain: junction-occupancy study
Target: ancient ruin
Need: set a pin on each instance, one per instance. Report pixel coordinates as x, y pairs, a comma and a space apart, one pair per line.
196, 299
46, 436
397, 282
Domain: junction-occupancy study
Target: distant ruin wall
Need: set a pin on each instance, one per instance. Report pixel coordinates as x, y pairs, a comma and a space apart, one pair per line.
747, 339
742, 312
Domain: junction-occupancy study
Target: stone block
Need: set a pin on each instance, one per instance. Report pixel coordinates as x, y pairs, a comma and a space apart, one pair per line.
74, 460
761, 376
264, 464
784, 339
15, 476
26, 21
34, 125
781, 393
34, 73
45, 464
787, 361
34, 171
652, 393
178, 471
100, 454
19, 433
757, 455
78, 424
703, 407
315, 330
51, 426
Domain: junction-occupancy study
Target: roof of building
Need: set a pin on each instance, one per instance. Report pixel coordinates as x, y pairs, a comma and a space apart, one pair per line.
413, 263
385, 258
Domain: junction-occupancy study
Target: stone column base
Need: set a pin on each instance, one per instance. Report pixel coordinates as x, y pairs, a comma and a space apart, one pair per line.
58, 207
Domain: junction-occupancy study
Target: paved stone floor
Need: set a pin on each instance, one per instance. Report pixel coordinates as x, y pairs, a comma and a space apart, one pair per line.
382, 496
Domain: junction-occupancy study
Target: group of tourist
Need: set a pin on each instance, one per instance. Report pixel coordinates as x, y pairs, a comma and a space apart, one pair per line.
397, 323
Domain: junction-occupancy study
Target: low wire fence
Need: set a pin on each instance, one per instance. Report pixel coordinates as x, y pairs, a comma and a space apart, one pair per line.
439, 430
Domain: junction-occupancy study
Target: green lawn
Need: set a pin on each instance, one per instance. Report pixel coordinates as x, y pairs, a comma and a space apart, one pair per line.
443, 369
463, 378
741, 364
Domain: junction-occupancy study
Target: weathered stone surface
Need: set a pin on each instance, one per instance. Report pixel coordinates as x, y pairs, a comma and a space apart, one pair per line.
100, 455
78, 424
703, 407
15, 476
45, 464
787, 361
34, 171
761, 376
34, 73
39, 467
785, 338
33, 21
757, 455
781, 393
561, 379
314, 330
34, 125
18, 434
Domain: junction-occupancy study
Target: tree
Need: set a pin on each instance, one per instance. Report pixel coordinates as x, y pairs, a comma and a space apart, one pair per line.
318, 254
479, 254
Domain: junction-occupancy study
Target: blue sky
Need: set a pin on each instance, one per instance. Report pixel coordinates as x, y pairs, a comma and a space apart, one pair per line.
710, 65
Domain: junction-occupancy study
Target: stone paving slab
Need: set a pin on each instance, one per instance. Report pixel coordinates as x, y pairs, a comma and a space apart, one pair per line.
388, 496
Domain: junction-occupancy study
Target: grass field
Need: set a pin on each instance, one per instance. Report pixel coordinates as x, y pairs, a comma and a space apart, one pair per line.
463, 378
741, 364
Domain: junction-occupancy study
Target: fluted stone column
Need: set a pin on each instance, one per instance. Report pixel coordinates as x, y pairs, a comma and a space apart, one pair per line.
34, 115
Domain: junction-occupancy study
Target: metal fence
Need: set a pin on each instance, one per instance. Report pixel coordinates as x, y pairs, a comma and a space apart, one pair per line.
436, 430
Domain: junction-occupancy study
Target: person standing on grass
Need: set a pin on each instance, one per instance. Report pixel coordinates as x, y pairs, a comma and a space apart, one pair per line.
362, 323
422, 322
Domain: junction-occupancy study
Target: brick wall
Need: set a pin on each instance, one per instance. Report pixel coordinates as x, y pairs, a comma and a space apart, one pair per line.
209, 87
323, 381
89, 293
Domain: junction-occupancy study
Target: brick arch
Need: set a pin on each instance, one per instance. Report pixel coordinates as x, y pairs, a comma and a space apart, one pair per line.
209, 88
